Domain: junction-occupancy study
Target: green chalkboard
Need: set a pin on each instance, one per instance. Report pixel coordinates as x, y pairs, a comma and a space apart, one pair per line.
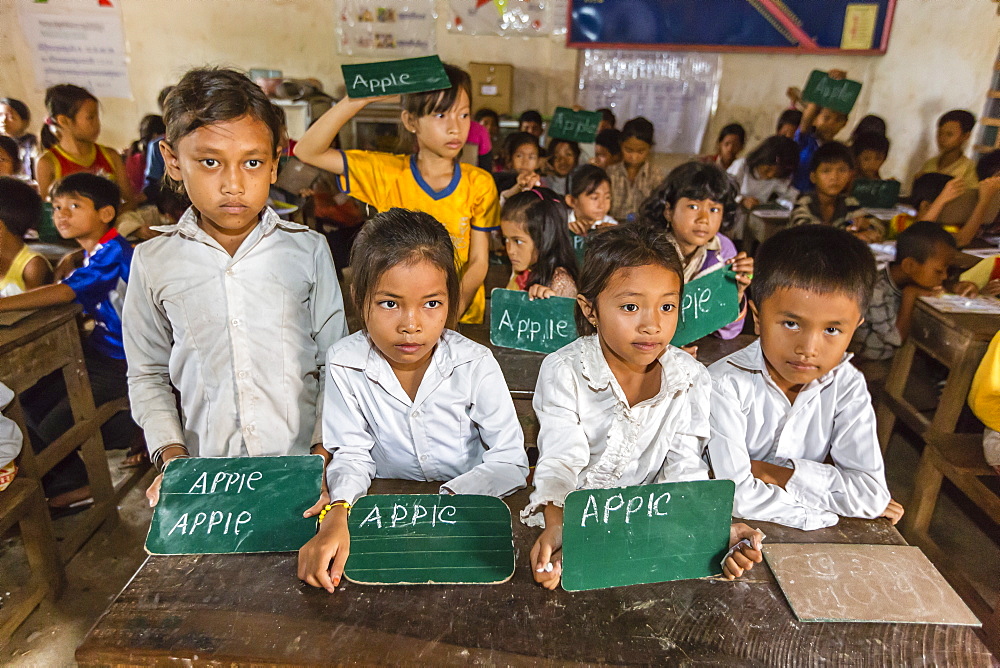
219, 505
579, 126
430, 539
395, 77
579, 247
876, 193
646, 533
837, 94
710, 302
541, 325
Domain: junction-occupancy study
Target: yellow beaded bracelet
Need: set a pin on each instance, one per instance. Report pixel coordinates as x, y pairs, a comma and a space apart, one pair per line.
330, 506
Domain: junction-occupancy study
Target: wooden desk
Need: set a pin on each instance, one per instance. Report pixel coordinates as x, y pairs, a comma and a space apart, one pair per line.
38, 345
958, 341
198, 610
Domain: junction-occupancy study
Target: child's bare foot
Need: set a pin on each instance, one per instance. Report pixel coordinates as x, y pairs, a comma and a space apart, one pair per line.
67, 499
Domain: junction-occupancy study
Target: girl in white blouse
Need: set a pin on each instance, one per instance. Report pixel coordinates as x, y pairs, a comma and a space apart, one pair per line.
620, 406
406, 397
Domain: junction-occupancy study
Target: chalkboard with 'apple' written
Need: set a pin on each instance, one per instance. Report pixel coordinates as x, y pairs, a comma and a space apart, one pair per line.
540, 325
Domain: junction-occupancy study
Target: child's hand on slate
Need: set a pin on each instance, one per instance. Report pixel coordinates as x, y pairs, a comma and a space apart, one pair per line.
539, 291
331, 544
742, 264
894, 511
745, 556
546, 553
580, 227
317, 508
153, 491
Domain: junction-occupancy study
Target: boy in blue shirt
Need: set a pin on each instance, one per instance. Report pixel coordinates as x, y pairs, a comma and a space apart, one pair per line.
84, 208
818, 126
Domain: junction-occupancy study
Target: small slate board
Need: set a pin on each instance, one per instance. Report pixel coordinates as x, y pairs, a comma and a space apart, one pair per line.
876, 193
710, 302
541, 326
579, 247
893, 584
647, 533
430, 539
222, 505
837, 94
395, 77
578, 126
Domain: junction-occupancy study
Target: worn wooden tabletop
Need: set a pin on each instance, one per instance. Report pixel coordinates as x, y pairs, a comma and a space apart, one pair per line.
211, 609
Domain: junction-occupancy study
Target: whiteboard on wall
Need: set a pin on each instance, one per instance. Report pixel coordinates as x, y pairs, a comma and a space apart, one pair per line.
676, 91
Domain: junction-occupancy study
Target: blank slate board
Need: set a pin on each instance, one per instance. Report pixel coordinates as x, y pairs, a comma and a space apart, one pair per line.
395, 77
646, 533
540, 325
430, 539
709, 303
895, 584
222, 505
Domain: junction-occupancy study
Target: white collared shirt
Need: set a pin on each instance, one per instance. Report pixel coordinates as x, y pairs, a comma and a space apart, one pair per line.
243, 338
10, 433
832, 418
460, 429
590, 438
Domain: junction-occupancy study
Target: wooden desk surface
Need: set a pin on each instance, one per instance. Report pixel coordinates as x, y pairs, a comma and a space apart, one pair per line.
36, 324
251, 608
979, 326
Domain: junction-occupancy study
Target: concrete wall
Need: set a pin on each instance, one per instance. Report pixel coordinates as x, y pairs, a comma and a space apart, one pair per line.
941, 56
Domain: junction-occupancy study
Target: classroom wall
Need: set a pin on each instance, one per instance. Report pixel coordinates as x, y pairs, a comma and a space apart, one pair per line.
940, 56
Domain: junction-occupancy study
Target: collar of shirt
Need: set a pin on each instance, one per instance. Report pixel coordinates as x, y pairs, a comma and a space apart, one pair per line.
188, 226
751, 360
451, 351
599, 376
892, 283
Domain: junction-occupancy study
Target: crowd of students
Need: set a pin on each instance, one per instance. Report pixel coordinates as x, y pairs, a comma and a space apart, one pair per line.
226, 326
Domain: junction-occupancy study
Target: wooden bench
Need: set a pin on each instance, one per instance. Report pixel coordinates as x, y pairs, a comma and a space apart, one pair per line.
959, 458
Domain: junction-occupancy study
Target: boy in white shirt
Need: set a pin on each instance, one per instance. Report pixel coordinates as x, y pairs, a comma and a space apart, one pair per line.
792, 421
232, 306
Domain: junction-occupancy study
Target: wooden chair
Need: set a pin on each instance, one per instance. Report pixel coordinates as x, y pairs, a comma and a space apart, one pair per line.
958, 457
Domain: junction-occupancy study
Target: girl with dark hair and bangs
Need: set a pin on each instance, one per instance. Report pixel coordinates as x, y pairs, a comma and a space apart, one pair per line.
536, 236
15, 117
462, 197
692, 202
407, 397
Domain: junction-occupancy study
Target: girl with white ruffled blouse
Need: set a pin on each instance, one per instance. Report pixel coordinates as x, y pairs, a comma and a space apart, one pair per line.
620, 406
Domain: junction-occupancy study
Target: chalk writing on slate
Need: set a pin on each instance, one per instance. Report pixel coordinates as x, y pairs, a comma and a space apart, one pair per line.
646, 533
220, 505
430, 539
541, 325
578, 126
579, 247
395, 77
710, 302
876, 193
837, 94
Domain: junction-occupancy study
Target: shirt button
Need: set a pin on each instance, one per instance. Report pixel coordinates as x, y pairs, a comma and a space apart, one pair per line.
423, 458
235, 322
229, 272
415, 414
243, 374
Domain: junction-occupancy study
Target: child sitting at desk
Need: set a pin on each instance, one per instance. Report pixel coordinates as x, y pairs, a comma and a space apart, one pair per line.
791, 402
20, 267
537, 242
762, 176
831, 173
923, 253
635, 177
407, 397
954, 129
870, 150
620, 406
589, 200
84, 209
233, 306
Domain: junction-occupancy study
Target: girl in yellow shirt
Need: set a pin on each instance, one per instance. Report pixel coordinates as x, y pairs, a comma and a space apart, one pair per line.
21, 269
460, 196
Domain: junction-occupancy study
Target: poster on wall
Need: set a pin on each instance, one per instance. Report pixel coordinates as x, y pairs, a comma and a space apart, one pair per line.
676, 91
386, 28
508, 17
77, 41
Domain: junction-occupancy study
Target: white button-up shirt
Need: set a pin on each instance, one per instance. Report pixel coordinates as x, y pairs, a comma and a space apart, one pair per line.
243, 338
590, 438
10, 433
460, 428
831, 419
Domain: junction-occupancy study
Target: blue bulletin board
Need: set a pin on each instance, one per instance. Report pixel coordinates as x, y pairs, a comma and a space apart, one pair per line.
783, 26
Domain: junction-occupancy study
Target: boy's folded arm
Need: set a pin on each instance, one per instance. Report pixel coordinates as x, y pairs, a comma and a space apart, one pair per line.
504, 468
348, 438
730, 459
854, 486
329, 322
147, 338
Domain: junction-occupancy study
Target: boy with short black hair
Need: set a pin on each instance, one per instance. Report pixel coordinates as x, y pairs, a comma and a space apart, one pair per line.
788, 123
831, 172
818, 126
84, 207
954, 129
791, 401
870, 151
530, 122
924, 251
